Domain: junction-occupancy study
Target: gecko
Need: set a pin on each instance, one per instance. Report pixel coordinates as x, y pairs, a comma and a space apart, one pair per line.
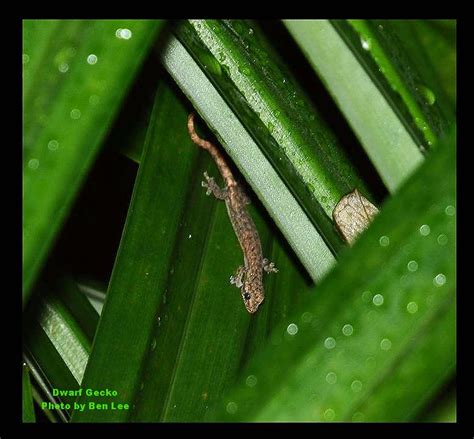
247, 277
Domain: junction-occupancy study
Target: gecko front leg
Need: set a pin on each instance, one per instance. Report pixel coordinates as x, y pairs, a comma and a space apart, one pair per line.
237, 279
213, 187
269, 267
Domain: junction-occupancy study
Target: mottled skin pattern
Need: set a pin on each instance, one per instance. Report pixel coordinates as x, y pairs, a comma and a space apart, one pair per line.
249, 277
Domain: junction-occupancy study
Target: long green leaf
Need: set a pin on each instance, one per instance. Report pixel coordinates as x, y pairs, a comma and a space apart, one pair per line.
432, 51
387, 139
149, 233
384, 317
75, 74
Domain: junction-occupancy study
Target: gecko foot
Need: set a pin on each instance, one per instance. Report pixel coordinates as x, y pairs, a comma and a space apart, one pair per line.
243, 196
269, 267
237, 279
213, 188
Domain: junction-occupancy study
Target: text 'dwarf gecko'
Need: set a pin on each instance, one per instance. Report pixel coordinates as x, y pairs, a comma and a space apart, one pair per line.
248, 277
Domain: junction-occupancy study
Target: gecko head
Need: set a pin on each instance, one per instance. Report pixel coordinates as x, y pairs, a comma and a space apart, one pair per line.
252, 296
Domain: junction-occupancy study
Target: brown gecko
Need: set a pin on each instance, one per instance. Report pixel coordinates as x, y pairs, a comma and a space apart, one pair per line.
248, 277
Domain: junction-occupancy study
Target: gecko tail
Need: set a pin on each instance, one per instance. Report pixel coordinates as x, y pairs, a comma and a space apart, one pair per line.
196, 139
213, 150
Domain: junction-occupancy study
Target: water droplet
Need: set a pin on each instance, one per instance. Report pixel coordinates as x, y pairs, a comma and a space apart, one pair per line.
384, 241
123, 34
357, 417
425, 230
366, 43
92, 59
153, 344
412, 307
75, 113
439, 280
428, 95
190, 236
331, 378
94, 99
366, 296
356, 386
63, 67
158, 319
330, 343
284, 80
329, 414
306, 317
385, 344
450, 210
370, 362
53, 145
412, 266
231, 408
442, 239
25, 58
292, 329
378, 300
244, 70
347, 329
250, 31
251, 381
33, 164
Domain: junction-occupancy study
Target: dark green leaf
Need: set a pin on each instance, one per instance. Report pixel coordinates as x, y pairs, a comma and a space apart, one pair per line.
75, 74
384, 317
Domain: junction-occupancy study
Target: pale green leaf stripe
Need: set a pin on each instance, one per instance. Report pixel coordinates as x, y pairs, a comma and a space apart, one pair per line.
382, 134
65, 339
257, 170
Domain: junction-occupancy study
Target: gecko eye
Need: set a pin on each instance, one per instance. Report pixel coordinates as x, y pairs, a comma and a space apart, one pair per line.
246, 296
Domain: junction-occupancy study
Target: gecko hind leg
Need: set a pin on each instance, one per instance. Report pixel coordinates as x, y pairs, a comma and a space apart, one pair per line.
237, 279
213, 187
269, 267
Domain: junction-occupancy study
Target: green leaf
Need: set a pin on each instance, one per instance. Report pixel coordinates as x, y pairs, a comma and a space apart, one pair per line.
75, 74
384, 317
370, 80
27, 397
432, 52
136, 289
